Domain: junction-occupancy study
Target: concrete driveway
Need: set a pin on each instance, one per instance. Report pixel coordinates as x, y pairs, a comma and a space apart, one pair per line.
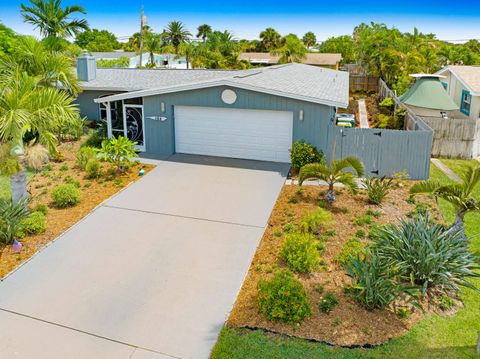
150, 274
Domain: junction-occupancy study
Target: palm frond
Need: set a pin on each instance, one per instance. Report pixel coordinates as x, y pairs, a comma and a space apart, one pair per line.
313, 170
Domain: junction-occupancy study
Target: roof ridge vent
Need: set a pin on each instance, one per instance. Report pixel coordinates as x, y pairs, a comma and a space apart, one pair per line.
247, 75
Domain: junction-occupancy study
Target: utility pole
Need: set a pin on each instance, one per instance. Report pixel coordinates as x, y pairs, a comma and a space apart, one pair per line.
142, 19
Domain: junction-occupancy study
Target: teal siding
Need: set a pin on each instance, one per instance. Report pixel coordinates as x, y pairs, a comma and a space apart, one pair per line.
88, 108
160, 136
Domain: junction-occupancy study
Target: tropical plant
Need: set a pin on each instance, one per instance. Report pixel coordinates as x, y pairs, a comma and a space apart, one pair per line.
300, 253
52, 20
12, 215
309, 39
65, 195
34, 223
373, 283
291, 50
377, 188
303, 153
327, 303
203, 31
340, 44
283, 298
353, 248
334, 173
25, 106
460, 195
84, 155
7, 39
270, 39
121, 62
97, 40
92, 168
119, 151
176, 33
428, 254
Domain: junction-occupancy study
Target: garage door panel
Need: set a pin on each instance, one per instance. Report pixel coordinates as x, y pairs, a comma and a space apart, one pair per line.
239, 133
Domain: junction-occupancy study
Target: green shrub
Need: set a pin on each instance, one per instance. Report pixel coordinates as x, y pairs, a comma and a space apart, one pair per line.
313, 222
11, 218
319, 288
84, 155
71, 180
360, 234
373, 284
328, 302
377, 189
293, 200
41, 208
353, 248
94, 139
300, 252
283, 298
119, 151
303, 153
364, 220
92, 169
63, 168
403, 313
331, 233
373, 213
36, 222
65, 195
444, 302
428, 254
289, 228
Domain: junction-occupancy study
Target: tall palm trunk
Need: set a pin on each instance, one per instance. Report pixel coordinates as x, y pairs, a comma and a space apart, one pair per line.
18, 184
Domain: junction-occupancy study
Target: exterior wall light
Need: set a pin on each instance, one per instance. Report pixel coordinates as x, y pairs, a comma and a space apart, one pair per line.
162, 106
300, 115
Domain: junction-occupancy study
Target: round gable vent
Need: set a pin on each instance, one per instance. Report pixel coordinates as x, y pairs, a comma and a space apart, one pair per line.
229, 96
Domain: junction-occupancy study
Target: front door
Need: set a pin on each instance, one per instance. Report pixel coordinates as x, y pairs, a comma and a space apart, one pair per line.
133, 125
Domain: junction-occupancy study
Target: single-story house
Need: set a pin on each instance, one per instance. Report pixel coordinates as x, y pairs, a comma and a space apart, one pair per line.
252, 114
161, 60
463, 86
428, 97
315, 59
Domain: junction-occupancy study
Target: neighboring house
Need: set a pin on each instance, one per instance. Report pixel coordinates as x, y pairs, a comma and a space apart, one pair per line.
463, 85
161, 60
252, 114
449, 103
316, 59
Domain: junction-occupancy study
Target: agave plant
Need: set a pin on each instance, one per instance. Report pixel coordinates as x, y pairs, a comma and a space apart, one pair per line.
428, 254
334, 173
12, 215
460, 195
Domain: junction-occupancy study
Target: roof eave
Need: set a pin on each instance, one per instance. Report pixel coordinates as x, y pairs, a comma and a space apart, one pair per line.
448, 68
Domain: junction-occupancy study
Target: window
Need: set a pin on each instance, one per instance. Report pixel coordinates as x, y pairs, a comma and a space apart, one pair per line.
466, 102
445, 85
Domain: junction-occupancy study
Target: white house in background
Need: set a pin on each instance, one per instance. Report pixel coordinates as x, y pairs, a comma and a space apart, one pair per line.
170, 61
463, 86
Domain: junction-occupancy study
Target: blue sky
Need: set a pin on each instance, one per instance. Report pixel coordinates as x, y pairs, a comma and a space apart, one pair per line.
449, 20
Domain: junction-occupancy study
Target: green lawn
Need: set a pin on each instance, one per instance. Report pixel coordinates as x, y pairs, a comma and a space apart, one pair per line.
433, 337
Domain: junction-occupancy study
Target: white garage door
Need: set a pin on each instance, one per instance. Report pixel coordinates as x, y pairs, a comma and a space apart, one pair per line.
238, 133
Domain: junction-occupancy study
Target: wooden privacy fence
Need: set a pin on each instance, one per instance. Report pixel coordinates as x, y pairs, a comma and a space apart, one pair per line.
363, 83
386, 152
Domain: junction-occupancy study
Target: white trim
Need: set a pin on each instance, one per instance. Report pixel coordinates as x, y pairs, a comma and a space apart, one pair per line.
109, 120
125, 105
172, 89
467, 86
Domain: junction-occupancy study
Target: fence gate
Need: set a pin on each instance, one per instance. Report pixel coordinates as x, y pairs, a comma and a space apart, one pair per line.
361, 143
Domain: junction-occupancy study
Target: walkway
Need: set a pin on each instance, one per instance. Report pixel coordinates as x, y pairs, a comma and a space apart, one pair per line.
362, 113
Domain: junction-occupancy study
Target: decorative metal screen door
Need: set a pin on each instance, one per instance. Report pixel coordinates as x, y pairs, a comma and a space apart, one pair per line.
134, 125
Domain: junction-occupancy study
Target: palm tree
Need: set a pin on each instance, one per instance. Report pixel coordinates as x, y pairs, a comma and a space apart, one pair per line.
309, 39
176, 33
26, 105
270, 39
53, 20
292, 50
51, 68
153, 43
334, 173
203, 31
189, 50
460, 195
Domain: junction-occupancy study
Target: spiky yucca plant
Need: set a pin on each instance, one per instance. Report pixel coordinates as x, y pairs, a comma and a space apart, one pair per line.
334, 173
460, 195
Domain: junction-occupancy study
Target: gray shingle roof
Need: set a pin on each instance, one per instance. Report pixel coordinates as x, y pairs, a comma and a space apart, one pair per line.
113, 54
303, 82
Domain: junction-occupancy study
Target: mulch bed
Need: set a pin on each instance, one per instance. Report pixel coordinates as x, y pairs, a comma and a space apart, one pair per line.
348, 324
93, 192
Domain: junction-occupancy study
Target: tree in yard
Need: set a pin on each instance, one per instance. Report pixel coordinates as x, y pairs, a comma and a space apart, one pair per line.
52, 20
340, 44
189, 50
203, 31
292, 49
156, 43
7, 39
97, 40
270, 39
309, 39
460, 195
176, 33
26, 105
334, 173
